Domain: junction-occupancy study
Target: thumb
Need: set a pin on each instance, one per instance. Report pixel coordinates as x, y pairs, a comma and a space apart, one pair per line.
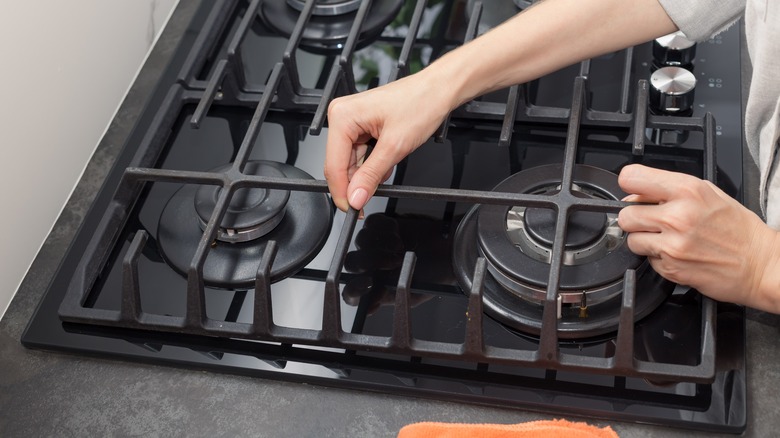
375, 170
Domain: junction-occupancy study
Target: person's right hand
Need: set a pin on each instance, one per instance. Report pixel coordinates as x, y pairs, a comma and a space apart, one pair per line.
400, 116
696, 235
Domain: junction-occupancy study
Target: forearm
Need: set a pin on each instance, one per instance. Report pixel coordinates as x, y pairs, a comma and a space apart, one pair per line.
545, 38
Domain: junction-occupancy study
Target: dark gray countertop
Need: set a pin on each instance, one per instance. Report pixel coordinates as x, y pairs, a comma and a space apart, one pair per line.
44, 393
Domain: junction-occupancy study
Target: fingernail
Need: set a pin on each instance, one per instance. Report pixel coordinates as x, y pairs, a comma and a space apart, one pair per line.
358, 198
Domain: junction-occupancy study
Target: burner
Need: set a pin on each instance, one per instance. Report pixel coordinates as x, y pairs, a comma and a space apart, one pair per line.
330, 22
255, 216
517, 244
327, 7
537, 226
252, 213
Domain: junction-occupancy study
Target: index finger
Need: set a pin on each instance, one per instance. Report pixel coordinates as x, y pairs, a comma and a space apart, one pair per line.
651, 184
338, 155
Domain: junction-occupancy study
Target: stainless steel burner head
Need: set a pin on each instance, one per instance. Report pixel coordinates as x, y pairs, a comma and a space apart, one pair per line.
590, 235
521, 249
331, 21
327, 7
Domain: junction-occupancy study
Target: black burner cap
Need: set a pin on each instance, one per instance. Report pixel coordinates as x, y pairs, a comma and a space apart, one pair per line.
249, 208
584, 227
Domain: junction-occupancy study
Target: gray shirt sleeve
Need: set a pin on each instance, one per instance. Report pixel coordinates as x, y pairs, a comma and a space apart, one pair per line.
700, 20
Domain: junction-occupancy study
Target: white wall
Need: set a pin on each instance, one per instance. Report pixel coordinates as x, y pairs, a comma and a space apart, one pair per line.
65, 66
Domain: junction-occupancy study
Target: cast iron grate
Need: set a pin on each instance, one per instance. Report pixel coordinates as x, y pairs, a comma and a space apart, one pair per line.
283, 91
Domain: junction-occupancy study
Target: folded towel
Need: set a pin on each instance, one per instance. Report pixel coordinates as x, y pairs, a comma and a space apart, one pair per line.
533, 429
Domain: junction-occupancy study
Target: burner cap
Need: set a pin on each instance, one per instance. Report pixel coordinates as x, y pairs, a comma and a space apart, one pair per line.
252, 213
325, 31
583, 229
303, 227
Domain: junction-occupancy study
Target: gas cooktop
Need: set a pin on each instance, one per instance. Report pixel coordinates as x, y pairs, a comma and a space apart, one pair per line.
489, 270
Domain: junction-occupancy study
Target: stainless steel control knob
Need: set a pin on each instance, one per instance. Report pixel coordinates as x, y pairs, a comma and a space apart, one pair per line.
673, 50
671, 90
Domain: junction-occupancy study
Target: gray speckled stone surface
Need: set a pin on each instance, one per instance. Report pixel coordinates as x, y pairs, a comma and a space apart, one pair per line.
52, 394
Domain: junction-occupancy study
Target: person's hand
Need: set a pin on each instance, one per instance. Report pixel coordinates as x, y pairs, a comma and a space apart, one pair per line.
400, 116
696, 235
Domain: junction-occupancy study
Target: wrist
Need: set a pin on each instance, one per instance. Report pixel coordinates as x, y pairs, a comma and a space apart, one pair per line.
487, 63
766, 291
452, 76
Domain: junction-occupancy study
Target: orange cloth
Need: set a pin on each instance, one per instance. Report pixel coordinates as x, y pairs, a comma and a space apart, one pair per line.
533, 429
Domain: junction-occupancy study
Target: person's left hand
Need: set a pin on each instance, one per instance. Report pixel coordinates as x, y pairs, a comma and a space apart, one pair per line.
696, 235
